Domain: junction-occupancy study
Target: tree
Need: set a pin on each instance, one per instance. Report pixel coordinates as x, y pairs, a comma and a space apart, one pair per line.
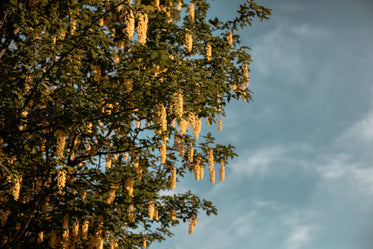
100, 113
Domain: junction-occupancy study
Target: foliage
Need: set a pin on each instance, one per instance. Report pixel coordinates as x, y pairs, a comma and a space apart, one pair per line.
92, 94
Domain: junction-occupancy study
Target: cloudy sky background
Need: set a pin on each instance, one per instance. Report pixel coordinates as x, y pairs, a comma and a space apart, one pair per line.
304, 176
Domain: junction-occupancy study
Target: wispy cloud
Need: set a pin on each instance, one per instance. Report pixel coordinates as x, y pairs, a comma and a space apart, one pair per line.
299, 237
280, 53
258, 161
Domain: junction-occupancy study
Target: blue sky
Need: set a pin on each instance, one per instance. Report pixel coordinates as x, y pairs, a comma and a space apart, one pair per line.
304, 177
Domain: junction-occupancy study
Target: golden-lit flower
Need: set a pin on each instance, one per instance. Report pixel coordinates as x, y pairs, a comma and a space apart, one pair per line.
61, 180
173, 215
75, 228
188, 42
131, 213
222, 171
65, 227
197, 127
60, 146
130, 25
151, 210
183, 125
191, 11
156, 4
40, 236
192, 224
179, 104
138, 168
230, 38
101, 22
197, 171
85, 228
97, 73
220, 125
208, 52
108, 162
245, 69
142, 27
111, 195
73, 26
211, 165
17, 187
163, 150
190, 153
179, 5
128, 184
173, 177
144, 243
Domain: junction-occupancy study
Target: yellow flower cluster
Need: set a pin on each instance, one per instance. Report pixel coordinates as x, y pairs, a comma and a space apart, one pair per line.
130, 24
192, 224
211, 165
222, 171
40, 236
156, 4
245, 69
196, 126
23, 119
178, 104
197, 170
111, 195
16, 189
128, 184
101, 22
144, 243
161, 118
191, 11
97, 73
73, 26
65, 227
179, 5
151, 210
131, 213
188, 42
208, 52
61, 180
220, 124
75, 228
230, 38
85, 228
190, 153
108, 162
60, 146
142, 27
173, 215
173, 177
183, 125
163, 150
138, 168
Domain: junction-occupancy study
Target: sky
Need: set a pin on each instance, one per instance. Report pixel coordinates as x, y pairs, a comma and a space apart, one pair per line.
304, 175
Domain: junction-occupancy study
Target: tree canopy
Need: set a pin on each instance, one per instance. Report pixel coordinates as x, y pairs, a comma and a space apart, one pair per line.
101, 104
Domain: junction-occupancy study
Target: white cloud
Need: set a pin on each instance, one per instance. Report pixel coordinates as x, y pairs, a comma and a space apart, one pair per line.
258, 161
359, 132
281, 53
299, 237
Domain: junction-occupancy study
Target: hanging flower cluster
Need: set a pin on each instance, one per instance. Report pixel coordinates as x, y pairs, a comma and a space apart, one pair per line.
142, 27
